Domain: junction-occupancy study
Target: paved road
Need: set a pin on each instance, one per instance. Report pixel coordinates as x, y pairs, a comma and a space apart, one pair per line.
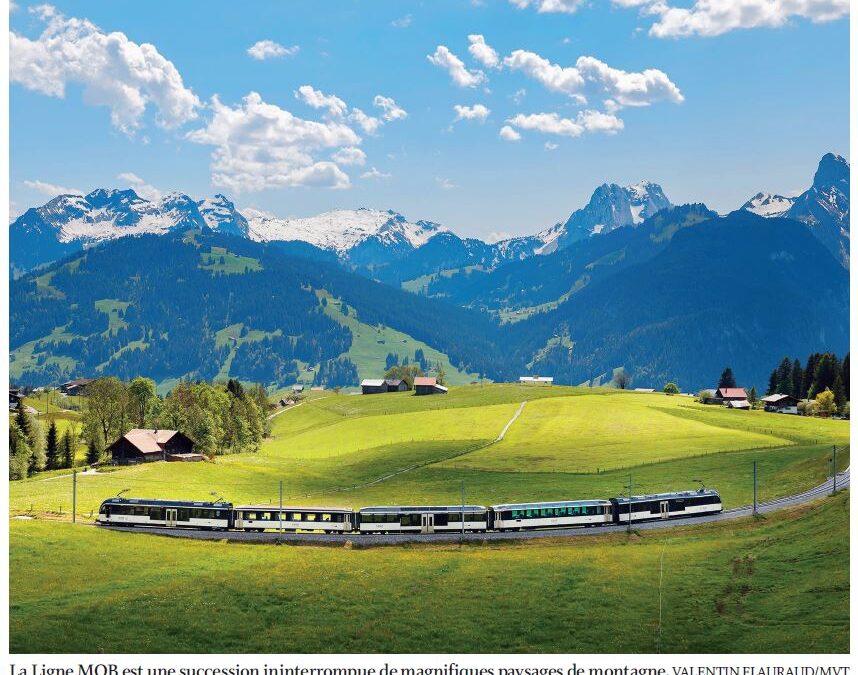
369, 540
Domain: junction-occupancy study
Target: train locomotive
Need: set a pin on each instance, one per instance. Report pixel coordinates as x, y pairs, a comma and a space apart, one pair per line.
408, 519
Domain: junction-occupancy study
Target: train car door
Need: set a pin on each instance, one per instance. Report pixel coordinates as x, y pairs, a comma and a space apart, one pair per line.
664, 508
171, 517
239, 520
427, 523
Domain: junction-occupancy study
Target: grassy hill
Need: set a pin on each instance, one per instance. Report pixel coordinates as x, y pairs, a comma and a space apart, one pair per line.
780, 584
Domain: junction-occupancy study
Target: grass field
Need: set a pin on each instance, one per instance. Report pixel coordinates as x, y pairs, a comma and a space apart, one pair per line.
778, 584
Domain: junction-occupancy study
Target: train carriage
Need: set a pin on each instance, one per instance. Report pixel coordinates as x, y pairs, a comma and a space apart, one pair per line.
165, 513
666, 505
422, 519
534, 515
293, 518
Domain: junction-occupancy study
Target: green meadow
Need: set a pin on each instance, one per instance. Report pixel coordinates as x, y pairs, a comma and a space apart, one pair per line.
776, 584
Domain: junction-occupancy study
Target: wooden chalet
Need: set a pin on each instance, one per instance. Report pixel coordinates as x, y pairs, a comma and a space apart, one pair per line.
152, 445
738, 405
782, 403
424, 386
725, 394
75, 387
396, 385
373, 387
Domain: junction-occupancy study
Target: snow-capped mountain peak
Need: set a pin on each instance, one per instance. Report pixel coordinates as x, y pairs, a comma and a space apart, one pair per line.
343, 229
768, 205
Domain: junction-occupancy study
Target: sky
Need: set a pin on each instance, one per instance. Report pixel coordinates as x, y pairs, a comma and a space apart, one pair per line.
493, 117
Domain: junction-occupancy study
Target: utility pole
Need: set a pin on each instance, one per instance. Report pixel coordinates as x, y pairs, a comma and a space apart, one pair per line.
74, 496
629, 526
280, 513
834, 472
463, 508
755, 488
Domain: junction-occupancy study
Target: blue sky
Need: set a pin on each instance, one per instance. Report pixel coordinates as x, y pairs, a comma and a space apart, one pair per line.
751, 107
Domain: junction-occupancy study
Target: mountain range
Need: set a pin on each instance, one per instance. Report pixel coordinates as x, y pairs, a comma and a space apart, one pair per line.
668, 292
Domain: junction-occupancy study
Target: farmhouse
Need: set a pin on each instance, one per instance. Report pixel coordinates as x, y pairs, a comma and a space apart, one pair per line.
428, 385
725, 394
373, 387
738, 405
782, 403
151, 445
75, 387
396, 385
542, 381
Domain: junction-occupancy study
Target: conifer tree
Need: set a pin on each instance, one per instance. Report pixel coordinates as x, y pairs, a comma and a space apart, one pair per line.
845, 371
19, 453
67, 447
93, 451
727, 379
797, 377
784, 385
809, 373
52, 448
773, 383
753, 397
839, 391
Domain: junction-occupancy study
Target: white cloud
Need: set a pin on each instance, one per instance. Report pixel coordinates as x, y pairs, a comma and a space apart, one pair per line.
268, 49
445, 184
590, 74
494, 237
509, 134
374, 174
350, 156
477, 112
369, 124
402, 22
552, 123
482, 52
113, 71
314, 98
259, 145
518, 96
708, 18
51, 190
551, 146
550, 6
141, 187
391, 110
460, 75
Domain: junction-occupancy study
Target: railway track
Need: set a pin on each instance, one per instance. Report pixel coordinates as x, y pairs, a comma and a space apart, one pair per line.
369, 540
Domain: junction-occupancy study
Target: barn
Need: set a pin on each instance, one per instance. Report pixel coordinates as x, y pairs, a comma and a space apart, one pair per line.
373, 387
424, 386
151, 445
396, 385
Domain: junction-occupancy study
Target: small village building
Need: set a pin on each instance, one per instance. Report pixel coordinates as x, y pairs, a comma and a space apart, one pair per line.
15, 398
424, 386
725, 394
298, 388
644, 391
782, 403
151, 445
373, 387
396, 385
75, 387
738, 405
536, 380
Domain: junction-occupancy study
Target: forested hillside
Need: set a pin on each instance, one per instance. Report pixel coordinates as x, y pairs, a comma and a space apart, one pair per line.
199, 304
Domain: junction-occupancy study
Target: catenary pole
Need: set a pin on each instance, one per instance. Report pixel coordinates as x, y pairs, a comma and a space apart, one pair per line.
834, 472
629, 527
755, 488
74, 495
463, 508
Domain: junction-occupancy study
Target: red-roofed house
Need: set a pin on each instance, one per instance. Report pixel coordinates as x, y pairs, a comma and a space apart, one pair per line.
731, 394
150, 445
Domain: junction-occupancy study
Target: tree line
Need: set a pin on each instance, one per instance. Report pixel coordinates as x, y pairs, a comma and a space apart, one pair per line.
821, 372
220, 419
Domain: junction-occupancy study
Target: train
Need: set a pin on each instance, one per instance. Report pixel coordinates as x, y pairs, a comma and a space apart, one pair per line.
221, 515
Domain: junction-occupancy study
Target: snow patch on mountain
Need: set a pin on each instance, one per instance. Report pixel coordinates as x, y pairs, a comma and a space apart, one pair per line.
341, 230
768, 205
